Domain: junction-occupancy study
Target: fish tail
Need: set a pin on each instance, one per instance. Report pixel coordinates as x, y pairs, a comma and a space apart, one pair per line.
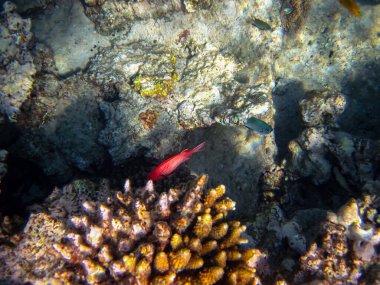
198, 148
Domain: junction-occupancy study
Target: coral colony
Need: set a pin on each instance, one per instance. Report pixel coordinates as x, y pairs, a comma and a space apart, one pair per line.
144, 237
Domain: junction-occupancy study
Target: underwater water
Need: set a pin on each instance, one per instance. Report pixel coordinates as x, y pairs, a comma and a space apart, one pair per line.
120, 120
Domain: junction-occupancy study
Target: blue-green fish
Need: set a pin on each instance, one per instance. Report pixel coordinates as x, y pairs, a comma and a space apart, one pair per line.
258, 125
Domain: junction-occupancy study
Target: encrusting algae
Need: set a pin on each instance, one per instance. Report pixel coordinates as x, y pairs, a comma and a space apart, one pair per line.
149, 118
158, 87
144, 237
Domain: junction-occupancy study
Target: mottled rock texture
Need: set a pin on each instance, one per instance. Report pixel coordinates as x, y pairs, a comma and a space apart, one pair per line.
69, 33
16, 62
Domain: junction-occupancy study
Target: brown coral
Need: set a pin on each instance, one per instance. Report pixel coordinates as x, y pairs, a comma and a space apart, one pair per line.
141, 237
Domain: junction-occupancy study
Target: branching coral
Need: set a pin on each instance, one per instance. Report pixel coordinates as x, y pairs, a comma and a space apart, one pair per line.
145, 237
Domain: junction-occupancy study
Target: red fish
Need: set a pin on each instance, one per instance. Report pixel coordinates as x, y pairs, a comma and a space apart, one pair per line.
168, 166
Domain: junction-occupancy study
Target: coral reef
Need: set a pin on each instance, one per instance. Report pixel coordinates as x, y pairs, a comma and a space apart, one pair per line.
67, 201
275, 232
150, 83
9, 230
329, 261
140, 237
111, 16
29, 257
16, 61
179, 89
361, 221
336, 250
172, 73
334, 47
193, 5
25, 6
346, 245
145, 237
308, 155
272, 185
322, 151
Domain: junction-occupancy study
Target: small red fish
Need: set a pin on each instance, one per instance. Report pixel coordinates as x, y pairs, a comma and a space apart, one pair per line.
168, 166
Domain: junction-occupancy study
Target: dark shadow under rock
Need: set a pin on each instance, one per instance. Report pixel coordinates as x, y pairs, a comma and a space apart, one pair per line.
288, 120
362, 115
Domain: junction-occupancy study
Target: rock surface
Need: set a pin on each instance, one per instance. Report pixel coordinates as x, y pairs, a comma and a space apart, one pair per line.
16, 61
70, 34
65, 134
